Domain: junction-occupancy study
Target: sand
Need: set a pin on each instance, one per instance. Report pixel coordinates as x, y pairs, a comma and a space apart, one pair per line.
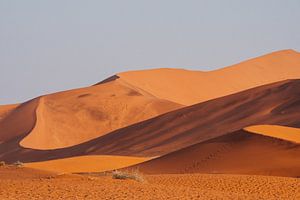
28, 184
73, 117
280, 132
239, 152
99, 163
270, 104
190, 87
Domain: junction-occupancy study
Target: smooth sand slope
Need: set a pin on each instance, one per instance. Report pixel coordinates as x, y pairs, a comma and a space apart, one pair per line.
191, 87
99, 163
240, 152
72, 117
275, 103
22, 183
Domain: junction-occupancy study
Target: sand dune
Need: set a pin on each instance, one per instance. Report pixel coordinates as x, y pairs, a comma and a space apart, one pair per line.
280, 132
270, 104
190, 87
99, 163
235, 153
72, 117
24, 183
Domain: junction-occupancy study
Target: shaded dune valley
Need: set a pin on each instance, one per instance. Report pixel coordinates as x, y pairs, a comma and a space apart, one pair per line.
230, 133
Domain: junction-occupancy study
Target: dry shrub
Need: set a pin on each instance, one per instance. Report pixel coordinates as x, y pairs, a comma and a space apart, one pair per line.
18, 164
2, 163
134, 175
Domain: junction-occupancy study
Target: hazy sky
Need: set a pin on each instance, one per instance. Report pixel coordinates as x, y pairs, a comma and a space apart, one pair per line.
48, 46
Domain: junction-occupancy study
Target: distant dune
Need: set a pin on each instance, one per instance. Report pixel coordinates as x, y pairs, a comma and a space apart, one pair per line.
235, 153
190, 87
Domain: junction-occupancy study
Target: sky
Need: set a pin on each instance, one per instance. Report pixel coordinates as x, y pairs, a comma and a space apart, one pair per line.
55, 45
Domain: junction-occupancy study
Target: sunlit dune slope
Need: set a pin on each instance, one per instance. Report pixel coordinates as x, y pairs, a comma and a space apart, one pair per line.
68, 118
99, 163
235, 153
280, 132
190, 87
276, 103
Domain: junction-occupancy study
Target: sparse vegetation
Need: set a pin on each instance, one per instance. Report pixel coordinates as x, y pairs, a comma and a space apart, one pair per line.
134, 175
2, 163
18, 164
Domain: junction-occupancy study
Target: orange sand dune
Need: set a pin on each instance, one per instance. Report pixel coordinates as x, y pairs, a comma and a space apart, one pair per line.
276, 103
280, 132
99, 163
191, 87
22, 183
235, 153
72, 117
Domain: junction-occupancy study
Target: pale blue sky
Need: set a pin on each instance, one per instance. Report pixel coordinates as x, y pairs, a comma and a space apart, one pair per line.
48, 46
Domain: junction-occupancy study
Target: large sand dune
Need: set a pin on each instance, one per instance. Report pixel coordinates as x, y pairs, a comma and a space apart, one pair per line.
72, 117
235, 153
190, 87
270, 104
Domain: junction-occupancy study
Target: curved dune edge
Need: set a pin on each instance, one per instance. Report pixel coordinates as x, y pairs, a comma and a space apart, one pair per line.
73, 117
96, 163
280, 132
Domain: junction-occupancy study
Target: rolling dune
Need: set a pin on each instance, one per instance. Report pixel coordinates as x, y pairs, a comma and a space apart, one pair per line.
270, 104
190, 87
235, 153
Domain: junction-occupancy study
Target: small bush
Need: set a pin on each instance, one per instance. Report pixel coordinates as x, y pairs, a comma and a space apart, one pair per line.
2, 163
134, 175
18, 164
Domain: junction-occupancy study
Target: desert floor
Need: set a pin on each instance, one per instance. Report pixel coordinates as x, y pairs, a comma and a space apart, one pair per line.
25, 183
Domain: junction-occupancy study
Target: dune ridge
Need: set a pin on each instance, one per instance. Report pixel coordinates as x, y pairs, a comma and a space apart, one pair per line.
189, 87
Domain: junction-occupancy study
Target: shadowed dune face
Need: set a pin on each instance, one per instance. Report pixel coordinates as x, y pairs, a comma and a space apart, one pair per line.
18, 120
6, 109
236, 153
72, 117
191, 87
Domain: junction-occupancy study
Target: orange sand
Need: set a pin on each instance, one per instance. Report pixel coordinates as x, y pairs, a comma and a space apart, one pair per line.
72, 117
281, 132
239, 152
24, 183
190, 87
99, 163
